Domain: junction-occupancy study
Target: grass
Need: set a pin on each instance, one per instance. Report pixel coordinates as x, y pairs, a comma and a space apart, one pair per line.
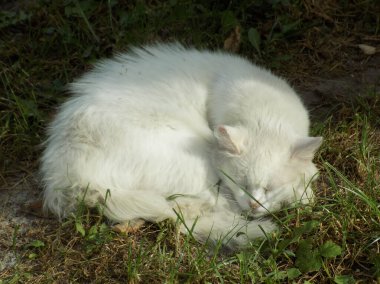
45, 44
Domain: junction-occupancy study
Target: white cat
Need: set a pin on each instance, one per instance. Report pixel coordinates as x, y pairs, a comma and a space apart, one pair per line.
167, 132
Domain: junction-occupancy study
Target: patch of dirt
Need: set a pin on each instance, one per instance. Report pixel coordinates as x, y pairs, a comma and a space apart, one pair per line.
321, 93
18, 221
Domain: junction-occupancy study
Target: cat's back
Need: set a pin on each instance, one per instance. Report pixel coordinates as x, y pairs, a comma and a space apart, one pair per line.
162, 70
159, 81
156, 67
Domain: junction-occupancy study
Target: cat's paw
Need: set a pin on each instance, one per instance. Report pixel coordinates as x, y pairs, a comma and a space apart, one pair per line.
128, 226
260, 228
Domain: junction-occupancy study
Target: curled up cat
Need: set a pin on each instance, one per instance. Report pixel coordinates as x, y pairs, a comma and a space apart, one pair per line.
167, 132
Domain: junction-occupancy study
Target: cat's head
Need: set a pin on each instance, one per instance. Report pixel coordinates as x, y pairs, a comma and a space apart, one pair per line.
267, 171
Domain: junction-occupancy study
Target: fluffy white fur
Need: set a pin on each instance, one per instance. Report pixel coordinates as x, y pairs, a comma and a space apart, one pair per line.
158, 127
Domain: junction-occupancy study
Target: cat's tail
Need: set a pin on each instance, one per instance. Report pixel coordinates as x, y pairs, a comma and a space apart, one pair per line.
218, 224
227, 228
137, 205
213, 226
118, 206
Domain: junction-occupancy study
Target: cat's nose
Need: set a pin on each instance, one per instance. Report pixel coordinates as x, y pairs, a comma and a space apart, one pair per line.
254, 205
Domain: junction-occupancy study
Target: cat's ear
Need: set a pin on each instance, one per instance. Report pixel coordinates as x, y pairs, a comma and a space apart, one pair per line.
230, 139
305, 148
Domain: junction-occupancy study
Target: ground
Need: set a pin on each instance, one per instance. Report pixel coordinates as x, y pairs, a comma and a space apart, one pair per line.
46, 45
